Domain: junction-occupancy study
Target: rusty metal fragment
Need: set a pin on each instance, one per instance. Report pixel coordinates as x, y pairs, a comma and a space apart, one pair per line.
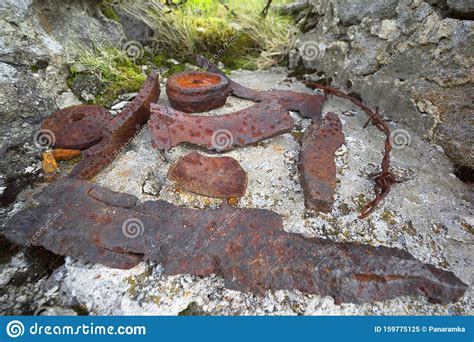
50, 166
385, 179
316, 162
119, 131
170, 127
197, 91
210, 176
65, 154
77, 127
309, 105
247, 247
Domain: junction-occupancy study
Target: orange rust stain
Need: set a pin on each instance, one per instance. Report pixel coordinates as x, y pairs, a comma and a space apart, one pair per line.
65, 154
232, 201
197, 81
49, 163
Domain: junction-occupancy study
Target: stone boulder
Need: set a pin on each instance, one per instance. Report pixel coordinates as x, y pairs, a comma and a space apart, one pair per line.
409, 57
38, 38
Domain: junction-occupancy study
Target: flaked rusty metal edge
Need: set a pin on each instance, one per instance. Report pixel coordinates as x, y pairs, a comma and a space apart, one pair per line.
119, 131
247, 247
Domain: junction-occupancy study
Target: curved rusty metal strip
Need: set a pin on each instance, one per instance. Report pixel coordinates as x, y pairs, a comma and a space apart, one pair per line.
316, 162
309, 105
119, 131
170, 127
209, 176
247, 247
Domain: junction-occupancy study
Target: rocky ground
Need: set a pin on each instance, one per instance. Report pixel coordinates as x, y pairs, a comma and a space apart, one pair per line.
429, 214
412, 56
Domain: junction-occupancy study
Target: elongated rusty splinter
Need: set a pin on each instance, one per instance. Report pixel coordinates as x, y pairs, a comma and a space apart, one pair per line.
316, 162
170, 127
119, 131
247, 247
385, 179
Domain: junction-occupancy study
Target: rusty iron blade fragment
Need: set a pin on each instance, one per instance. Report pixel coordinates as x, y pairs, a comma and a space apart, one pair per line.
385, 179
247, 247
309, 105
316, 162
119, 131
170, 127
210, 176
77, 127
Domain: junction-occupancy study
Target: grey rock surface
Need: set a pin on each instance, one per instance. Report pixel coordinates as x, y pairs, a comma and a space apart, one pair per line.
353, 11
463, 8
429, 215
407, 57
38, 38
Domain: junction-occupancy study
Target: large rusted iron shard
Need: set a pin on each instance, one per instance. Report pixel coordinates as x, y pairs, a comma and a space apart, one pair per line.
170, 127
309, 105
119, 131
210, 176
247, 247
77, 127
316, 162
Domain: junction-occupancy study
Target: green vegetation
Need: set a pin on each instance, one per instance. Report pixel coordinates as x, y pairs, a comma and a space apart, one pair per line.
108, 11
229, 31
116, 72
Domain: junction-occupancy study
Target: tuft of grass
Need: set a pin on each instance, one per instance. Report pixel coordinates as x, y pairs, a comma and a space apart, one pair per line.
108, 11
210, 27
117, 73
274, 34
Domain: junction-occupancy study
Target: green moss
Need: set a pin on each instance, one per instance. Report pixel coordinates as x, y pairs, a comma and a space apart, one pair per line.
113, 90
108, 10
161, 60
212, 34
232, 32
117, 73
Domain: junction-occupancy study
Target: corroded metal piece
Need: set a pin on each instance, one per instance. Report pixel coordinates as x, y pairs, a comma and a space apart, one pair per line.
170, 127
247, 247
197, 91
77, 127
65, 154
309, 105
385, 179
316, 162
210, 176
119, 131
